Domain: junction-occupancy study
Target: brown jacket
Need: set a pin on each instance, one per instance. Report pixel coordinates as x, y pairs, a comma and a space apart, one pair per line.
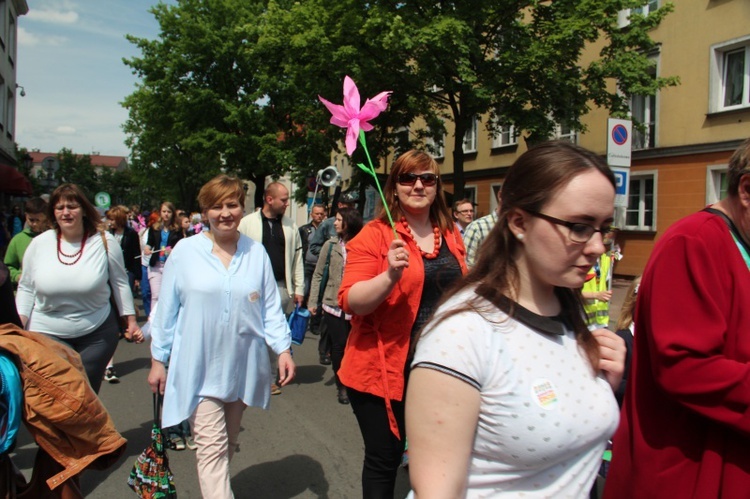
61, 411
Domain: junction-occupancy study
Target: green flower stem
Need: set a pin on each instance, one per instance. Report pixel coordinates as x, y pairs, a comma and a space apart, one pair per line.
371, 171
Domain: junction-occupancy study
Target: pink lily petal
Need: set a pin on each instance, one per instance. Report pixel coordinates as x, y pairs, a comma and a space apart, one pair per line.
351, 97
352, 134
339, 116
350, 116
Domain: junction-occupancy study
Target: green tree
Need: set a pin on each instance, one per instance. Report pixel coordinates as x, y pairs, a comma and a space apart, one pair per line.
77, 169
517, 61
197, 110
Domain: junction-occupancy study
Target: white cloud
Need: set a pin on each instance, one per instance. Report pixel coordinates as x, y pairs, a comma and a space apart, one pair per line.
29, 39
53, 16
66, 130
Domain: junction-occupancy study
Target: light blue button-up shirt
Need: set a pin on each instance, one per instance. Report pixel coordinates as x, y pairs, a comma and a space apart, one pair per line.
215, 324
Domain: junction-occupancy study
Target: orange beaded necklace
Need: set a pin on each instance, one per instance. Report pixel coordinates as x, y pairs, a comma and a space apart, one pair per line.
435, 232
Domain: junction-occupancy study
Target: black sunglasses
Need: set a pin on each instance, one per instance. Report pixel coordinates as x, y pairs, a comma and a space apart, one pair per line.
428, 179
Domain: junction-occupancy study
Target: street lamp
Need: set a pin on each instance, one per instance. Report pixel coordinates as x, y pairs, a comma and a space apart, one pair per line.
28, 162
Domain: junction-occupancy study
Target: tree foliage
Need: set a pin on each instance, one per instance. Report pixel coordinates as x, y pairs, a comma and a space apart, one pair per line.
232, 84
198, 110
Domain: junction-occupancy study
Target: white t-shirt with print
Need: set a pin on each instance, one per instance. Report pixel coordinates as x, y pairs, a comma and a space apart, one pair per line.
544, 418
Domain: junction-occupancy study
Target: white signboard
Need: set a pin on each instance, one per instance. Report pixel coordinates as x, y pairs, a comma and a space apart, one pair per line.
619, 142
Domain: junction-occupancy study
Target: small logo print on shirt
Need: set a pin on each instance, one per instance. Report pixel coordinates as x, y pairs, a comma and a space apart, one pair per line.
253, 297
543, 392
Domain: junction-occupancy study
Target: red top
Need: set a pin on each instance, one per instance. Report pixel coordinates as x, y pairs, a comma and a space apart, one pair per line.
378, 344
685, 424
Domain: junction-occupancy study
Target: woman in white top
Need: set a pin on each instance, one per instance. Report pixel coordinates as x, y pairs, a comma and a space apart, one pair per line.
68, 277
510, 394
219, 308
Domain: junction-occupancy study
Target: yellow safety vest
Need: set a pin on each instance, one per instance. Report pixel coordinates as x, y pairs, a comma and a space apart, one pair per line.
597, 312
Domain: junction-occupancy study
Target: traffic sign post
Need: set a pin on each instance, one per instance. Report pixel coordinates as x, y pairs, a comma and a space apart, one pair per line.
619, 142
619, 152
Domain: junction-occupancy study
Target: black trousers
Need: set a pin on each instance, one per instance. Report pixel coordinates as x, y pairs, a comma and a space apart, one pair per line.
383, 450
337, 329
96, 348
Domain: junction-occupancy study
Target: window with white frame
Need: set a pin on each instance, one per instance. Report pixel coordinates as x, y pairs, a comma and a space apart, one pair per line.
717, 181
470, 137
3, 23
643, 111
641, 211
470, 193
505, 135
623, 17
11, 113
494, 193
3, 104
565, 132
729, 81
11, 38
402, 143
437, 149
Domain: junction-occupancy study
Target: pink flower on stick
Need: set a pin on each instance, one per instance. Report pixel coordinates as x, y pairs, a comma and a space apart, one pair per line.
351, 117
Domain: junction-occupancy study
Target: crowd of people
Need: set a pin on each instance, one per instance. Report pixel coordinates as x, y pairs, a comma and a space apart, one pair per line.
483, 342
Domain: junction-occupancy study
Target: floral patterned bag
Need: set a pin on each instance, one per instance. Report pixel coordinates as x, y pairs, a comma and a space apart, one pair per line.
151, 477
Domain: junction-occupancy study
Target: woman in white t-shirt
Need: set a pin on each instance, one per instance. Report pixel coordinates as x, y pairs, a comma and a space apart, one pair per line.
510, 393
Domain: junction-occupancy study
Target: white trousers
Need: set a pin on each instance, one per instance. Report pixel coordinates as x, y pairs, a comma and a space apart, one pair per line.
216, 429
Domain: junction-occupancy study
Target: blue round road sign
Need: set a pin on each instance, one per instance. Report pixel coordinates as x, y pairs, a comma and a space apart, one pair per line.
619, 134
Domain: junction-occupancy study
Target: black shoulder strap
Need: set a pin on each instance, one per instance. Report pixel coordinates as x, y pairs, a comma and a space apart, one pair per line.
730, 224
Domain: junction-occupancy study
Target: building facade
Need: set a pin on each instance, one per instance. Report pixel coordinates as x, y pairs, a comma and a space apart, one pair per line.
679, 162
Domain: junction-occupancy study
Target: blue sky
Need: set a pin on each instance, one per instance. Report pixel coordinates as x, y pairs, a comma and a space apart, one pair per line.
70, 64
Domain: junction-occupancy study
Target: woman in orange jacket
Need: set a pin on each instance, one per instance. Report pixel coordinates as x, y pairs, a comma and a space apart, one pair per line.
391, 285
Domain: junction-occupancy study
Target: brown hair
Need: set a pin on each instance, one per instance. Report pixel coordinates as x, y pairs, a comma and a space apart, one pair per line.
159, 224
35, 206
351, 221
220, 188
119, 215
531, 182
628, 305
739, 165
412, 161
71, 192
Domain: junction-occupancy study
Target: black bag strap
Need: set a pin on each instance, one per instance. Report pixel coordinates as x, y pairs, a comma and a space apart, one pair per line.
732, 228
158, 401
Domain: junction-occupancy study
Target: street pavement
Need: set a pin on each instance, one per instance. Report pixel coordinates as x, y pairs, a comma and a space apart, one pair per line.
306, 445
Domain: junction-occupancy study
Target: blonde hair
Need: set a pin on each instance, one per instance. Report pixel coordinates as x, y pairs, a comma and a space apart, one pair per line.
628, 305
220, 188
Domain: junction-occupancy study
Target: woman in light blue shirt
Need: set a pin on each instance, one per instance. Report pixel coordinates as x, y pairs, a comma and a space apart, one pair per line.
219, 307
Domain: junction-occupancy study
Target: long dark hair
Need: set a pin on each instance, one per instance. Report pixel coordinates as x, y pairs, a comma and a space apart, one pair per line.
351, 223
71, 192
412, 161
535, 177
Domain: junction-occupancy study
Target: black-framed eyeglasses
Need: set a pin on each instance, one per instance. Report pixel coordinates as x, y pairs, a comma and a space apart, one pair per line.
428, 179
578, 232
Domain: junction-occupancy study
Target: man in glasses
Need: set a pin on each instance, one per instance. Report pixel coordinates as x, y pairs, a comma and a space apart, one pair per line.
463, 214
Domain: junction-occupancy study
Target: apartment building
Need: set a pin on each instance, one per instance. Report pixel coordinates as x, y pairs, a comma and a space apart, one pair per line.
9, 88
679, 162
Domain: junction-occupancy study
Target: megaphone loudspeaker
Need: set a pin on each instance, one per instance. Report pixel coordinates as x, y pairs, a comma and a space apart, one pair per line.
328, 176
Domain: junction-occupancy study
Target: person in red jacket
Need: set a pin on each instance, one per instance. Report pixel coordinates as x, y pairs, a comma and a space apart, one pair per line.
685, 424
391, 286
